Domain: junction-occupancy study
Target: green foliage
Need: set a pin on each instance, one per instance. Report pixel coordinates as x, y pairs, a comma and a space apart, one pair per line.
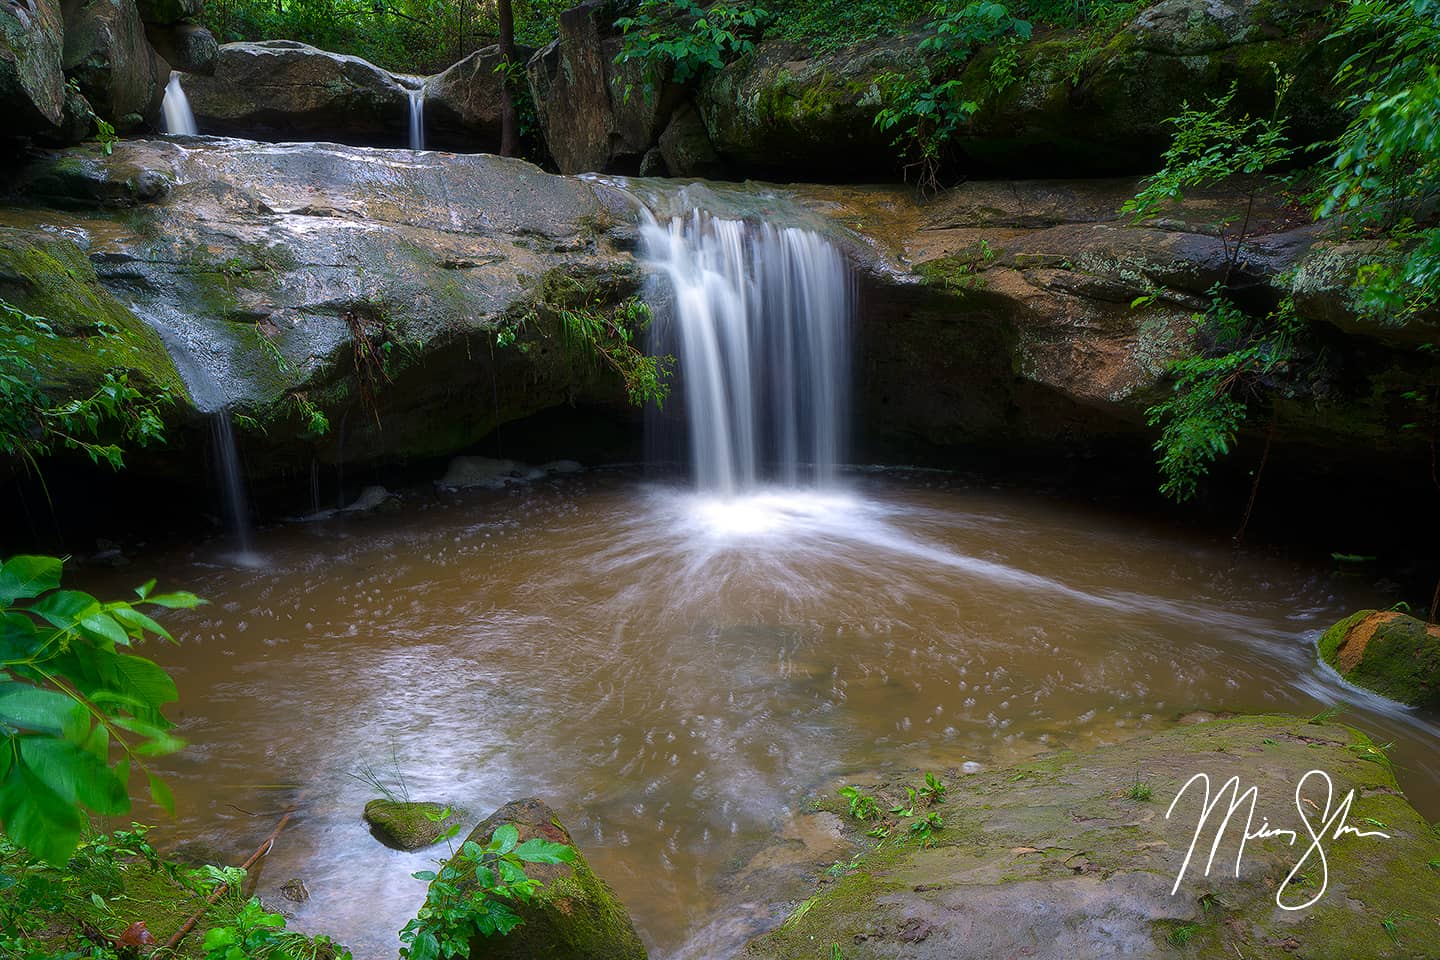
472, 895
1139, 791
923, 829
1241, 355
609, 336
687, 37
72, 692
1385, 169
863, 806
256, 934
926, 108
408, 36
1201, 418
33, 424
104, 131
829, 24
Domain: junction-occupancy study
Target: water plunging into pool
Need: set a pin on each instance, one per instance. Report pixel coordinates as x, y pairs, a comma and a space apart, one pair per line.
758, 317
175, 109
417, 117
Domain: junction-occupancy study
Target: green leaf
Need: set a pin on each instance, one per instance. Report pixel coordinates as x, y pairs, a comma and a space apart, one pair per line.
540, 850
175, 601
160, 793
505, 838
73, 774
28, 707
138, 622
24, 577
103, 629
64, 608
36, 818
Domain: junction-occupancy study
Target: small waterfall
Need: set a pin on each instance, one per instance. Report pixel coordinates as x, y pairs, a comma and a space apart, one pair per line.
417, 117
231, 478
759, 318
175, 109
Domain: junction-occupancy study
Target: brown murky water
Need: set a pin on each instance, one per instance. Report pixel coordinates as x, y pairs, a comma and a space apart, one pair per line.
674, 674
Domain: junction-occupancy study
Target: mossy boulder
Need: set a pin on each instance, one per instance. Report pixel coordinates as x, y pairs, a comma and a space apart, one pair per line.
410, 825
574, 916
1076, 855
109, 56
47, 275
32, 85
1388, 652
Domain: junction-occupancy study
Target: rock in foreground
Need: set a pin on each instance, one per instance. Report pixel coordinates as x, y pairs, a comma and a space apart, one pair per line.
1060, 858
574, 916
1395, 655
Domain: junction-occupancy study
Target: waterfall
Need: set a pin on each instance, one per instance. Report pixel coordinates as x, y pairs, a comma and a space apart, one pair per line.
231, 478
175, 109
417, 117
758, 318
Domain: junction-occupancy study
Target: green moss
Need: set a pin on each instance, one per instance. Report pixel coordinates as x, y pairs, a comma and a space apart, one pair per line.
1401, 659
410, 825
50, 277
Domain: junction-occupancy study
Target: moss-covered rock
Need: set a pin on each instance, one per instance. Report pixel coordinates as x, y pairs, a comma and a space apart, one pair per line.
408, 824
47, 275
32, 85
1076, 855
574, 916
1392, 653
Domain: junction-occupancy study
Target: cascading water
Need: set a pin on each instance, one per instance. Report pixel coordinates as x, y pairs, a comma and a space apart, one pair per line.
175, 109
232, 482
758, 316
417, 117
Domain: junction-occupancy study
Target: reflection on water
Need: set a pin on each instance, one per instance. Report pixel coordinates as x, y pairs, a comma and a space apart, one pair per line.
674, 672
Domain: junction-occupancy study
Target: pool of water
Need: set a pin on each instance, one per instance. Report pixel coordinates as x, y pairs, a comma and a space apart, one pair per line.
674, 672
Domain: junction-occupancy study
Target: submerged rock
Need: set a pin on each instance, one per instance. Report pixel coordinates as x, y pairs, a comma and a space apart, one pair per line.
410, 825
574, 916
1391, 653
1073, 855
466, 472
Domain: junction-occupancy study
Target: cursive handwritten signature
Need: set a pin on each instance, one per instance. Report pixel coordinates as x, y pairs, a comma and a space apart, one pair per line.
1331, 825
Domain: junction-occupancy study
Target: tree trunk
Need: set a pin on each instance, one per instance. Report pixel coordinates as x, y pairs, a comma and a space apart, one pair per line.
509, 123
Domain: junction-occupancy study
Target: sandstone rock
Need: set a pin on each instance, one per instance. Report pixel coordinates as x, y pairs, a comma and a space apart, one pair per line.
187, 47
574, 916
283, 90
107, 53
1392, 653
596, 115
409, 825
1060, 857
32, 84
462, 104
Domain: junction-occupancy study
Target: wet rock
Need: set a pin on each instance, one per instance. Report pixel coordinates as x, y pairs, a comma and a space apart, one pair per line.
284, 90
467, 472
107, 53
170, 11
295, 890
371, 498
1052, 858
574, 916
1391, 653
187, 47
32, 84
410, 825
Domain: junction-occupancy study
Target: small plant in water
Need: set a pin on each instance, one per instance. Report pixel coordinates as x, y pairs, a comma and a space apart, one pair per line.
472, 894
906, 809
923, 830
862, 805
1183, 934
1139, 790
934, 789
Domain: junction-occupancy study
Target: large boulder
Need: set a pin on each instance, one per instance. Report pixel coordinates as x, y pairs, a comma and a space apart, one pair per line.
1389, 652
1080, 855
170, 11
282, 90
187, 47
574, 916
266, 289
32, 83
462, 104
596, 115
109, 56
